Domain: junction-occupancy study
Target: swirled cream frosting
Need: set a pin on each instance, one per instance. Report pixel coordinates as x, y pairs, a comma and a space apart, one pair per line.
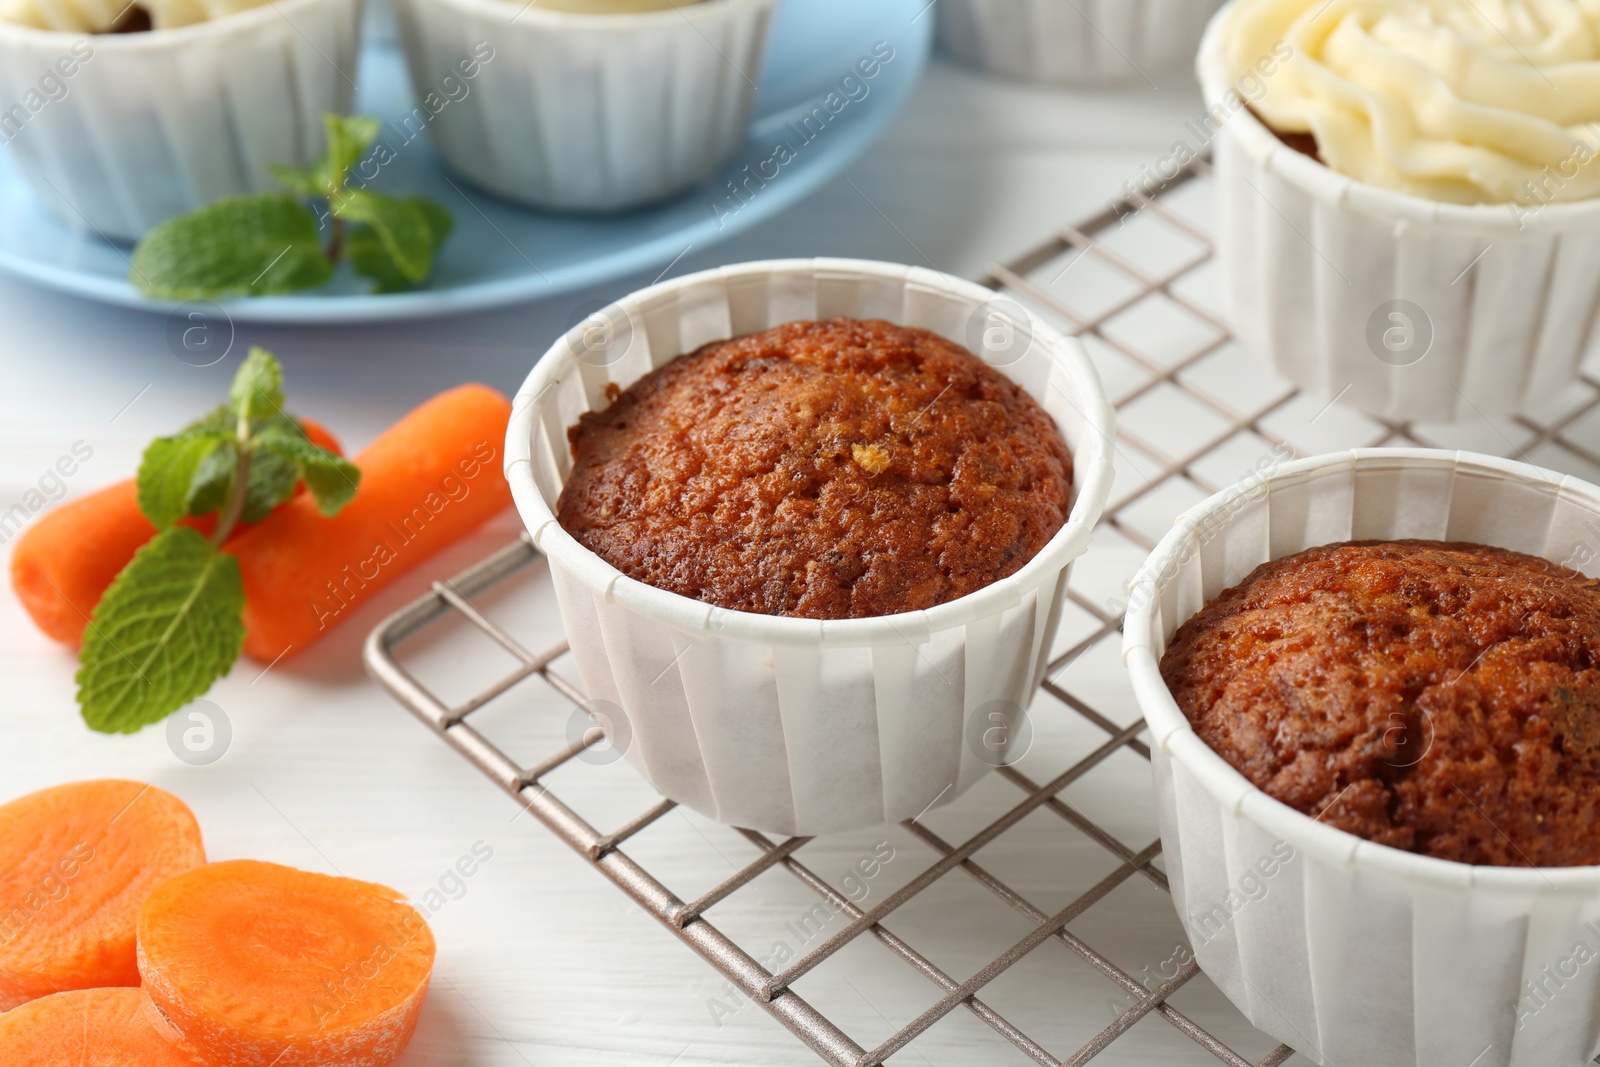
1464, 101
104, 16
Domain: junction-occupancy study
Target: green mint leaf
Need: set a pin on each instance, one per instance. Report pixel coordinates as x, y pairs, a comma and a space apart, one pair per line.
440, 221
348, 140
280, 425
368, 257
364, 250
166, 629
257, 393
242, 246
168, 474
392, 248
272, 481
213, 479
307, 181
219, 419
399, 224
331, 479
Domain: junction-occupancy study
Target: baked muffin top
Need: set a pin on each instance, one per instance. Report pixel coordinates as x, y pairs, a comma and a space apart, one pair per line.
827, 470
1442, 698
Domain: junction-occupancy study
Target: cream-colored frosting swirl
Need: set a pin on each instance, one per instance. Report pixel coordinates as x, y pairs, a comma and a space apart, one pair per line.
100, 16
1465, 101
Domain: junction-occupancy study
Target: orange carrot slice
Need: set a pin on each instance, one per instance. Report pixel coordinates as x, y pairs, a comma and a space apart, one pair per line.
76, 862
87, 1028
63, 563
427, 481
256, 964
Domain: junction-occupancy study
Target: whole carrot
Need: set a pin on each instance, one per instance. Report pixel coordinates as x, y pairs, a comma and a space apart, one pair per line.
427, 481
63, 563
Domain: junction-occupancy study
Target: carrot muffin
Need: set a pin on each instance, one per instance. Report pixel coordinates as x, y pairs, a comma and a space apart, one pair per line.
827, 470
1442, 698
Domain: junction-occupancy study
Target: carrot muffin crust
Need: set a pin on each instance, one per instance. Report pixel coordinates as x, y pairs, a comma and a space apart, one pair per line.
827, 470
1440, 698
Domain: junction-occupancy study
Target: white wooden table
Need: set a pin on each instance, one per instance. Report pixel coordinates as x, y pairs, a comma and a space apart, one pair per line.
541, 962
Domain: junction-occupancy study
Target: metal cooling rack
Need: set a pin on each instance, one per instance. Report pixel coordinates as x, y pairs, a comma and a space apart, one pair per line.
1194, 415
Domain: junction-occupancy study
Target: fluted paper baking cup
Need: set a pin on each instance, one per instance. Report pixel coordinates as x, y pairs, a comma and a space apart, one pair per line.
1083, 41
590, 113
782, 724
1351, 952
117, 132
1401, 306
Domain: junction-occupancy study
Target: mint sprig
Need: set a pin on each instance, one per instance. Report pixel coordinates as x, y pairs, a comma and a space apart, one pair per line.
272, 242
170, 624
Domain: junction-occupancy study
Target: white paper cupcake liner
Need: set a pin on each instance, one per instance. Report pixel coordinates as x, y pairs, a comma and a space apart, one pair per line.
1498, 304
590, 113
790, 725
151, 125
1356, 954
1074, 40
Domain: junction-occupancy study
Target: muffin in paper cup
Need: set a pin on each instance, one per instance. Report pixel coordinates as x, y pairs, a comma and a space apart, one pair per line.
1065, 41
117, 132
1350, 951
586, 112
785, 724
1404, 306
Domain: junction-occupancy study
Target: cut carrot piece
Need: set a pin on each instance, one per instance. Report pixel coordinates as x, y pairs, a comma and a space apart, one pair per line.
63, 563
88, 1028
256, 964
76, 862
427, 481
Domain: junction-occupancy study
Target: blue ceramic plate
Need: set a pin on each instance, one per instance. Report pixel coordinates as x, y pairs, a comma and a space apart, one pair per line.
501, 253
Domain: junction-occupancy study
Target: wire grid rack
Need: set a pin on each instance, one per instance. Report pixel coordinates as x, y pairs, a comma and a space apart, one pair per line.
1194, 415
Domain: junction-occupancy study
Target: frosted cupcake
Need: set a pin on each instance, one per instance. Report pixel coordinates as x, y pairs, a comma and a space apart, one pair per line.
1086, 41
120, 115
587, 105
1407, 212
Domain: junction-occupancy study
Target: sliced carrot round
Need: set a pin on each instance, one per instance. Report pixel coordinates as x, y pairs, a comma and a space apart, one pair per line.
255, 964
87, 1028
76, 862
